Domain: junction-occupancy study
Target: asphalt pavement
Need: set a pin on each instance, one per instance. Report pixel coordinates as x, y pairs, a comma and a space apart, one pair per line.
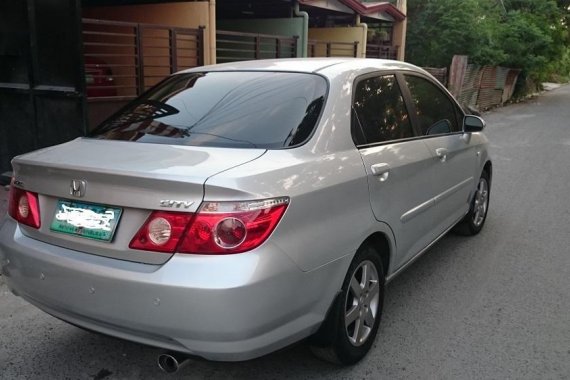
3, 200
494, 306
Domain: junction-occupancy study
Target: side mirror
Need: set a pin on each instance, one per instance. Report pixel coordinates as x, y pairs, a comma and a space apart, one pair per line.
473, 124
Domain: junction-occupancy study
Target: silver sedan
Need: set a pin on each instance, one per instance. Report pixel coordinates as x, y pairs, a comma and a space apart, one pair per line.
235, 209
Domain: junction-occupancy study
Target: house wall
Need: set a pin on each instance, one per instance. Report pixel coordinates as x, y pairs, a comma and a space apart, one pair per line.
348, 34
400, 30
399, 38
277, 26
185, 15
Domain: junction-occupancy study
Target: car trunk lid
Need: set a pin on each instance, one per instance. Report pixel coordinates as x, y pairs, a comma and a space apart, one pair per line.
131, 177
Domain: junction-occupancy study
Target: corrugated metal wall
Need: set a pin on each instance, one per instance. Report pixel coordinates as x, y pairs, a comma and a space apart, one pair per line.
469, 89
482, 87
439, 74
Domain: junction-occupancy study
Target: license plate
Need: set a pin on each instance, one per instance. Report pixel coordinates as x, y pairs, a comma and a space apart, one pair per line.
88, 220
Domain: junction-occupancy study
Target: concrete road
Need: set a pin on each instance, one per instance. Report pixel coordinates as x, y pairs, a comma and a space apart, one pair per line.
496, 306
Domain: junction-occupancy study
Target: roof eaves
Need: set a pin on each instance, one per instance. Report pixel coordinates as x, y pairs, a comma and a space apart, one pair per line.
363, 9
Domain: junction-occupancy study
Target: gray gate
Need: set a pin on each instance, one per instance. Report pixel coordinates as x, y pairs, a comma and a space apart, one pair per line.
42, 88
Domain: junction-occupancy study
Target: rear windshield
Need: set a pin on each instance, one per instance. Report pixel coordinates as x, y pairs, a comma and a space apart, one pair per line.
269, 110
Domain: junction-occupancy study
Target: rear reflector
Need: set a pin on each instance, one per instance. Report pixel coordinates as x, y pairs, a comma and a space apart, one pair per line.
216, 228
24, 207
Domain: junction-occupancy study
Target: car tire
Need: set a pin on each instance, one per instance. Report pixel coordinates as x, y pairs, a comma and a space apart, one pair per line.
473, 222
348, 332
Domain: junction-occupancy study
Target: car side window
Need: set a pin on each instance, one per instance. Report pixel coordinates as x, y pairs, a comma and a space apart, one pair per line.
378, 111
435, 112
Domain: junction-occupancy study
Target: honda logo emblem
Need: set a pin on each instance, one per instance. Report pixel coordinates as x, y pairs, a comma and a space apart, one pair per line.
77, 188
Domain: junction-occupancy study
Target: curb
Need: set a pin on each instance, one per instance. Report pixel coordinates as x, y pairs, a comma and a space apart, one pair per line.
547, 86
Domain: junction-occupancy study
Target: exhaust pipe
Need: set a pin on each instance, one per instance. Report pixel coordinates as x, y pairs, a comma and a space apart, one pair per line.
172, 361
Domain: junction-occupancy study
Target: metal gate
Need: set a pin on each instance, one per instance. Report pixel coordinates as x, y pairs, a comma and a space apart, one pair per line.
42, 86
241, 46
124, 59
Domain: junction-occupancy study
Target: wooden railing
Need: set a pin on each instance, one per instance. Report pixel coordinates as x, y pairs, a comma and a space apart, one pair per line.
123, 59
381, 51
238, 46
317, 48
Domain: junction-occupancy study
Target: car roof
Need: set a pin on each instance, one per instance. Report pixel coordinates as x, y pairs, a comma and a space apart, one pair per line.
308, 65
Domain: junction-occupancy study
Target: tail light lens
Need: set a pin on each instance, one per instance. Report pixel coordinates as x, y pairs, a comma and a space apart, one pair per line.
161, 232
216, 228
24, 207
233, 227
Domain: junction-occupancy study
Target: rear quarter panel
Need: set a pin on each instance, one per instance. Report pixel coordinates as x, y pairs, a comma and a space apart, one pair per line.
329, 214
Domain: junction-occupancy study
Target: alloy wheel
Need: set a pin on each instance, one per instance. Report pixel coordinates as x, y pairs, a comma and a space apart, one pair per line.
481, 202
362, 302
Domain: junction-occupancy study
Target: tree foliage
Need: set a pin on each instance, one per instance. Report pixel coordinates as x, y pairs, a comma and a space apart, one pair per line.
527, 34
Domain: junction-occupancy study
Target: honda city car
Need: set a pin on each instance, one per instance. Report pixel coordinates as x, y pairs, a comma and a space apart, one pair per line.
235, 209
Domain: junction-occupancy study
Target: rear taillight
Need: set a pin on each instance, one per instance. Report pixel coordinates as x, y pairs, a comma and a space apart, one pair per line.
161, 232
232, 227
216, 228
24, 207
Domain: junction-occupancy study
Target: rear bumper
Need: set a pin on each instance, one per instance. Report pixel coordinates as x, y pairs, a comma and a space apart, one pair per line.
233, 307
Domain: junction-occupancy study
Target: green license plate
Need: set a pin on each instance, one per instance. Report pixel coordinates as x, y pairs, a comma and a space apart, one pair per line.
87, 220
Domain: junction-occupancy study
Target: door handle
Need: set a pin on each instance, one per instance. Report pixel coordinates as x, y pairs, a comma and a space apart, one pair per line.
381, 170
442, 154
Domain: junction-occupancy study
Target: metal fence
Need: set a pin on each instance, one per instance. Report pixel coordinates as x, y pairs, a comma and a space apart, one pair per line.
123, 59
468, 89
439, 73
480, 87
239, 46
381, 51
318, 48
485, 87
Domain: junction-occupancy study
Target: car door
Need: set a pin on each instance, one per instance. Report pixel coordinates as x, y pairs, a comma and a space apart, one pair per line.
440, 121
398, 164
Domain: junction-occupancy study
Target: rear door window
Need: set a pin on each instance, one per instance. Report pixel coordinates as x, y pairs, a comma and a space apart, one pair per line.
379, 113
435, 112
270, 110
